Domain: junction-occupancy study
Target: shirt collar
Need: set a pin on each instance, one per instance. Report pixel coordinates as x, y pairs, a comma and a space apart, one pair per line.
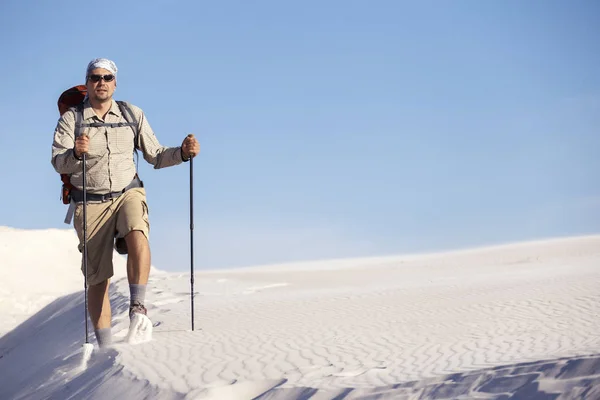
88, 112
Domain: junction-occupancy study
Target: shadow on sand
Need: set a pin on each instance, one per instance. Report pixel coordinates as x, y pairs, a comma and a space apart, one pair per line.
559, 379
40, 358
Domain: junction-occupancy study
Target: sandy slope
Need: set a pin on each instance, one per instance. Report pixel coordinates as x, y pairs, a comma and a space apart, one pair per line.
36, 267
486, 323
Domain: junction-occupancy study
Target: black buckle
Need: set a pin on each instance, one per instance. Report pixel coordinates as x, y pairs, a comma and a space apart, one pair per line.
112, 195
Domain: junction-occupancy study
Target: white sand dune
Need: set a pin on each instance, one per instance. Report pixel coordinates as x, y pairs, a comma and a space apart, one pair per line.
518, 320
36, 267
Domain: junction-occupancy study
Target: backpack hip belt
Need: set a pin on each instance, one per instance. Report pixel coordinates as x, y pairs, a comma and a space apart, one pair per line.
77, 195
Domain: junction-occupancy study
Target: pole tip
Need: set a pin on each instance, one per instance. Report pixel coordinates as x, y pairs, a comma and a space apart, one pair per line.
88, 348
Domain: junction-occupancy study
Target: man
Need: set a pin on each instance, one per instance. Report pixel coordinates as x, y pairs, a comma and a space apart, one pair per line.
116, 200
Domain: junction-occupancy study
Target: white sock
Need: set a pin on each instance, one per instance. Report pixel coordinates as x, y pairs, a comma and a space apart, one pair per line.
104, 337
137, 293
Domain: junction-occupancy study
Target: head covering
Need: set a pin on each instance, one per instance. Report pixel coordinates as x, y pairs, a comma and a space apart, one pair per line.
101, 63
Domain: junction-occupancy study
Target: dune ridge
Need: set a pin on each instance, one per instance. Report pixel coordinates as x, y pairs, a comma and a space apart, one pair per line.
515, 320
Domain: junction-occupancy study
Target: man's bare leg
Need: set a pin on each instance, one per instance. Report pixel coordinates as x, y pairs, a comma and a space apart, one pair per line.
138, 258
99, 305
100, 312
138, 269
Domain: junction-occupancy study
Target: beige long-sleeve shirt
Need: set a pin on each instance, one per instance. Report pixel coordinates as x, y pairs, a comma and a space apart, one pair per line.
110, 160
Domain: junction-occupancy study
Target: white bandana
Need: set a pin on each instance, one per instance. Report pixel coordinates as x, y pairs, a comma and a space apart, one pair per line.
101, 63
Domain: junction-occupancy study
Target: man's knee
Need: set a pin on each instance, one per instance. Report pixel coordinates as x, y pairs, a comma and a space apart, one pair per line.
100, 285
135, 235
135, 239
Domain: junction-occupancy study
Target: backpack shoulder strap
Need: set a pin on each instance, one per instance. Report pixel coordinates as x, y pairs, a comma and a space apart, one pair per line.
78, 110
132, 121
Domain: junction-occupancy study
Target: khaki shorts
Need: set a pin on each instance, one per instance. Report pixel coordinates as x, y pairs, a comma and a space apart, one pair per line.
106, 222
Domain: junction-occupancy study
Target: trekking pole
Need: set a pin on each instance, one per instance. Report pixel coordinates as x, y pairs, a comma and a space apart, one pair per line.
87, 346
192, 235
85, 254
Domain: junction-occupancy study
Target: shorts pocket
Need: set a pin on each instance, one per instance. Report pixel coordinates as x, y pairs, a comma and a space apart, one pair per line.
146, 213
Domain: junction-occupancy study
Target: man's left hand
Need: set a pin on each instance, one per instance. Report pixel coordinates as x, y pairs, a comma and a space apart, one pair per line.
190, 147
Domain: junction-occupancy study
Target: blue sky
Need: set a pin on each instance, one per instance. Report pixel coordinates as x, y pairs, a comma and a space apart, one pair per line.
328, 128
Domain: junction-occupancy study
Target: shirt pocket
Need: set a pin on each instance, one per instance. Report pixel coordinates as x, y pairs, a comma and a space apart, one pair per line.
120, 140
98, 146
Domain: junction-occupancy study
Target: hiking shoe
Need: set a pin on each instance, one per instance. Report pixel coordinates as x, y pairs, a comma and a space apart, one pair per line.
137, 308
140, 326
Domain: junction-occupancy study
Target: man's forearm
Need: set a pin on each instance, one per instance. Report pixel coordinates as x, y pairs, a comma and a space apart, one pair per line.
165, 157
66, 162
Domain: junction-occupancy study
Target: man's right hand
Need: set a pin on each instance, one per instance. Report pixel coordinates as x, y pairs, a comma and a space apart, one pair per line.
82, 144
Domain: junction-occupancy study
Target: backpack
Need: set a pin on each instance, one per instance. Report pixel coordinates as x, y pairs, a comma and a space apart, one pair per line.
72, 99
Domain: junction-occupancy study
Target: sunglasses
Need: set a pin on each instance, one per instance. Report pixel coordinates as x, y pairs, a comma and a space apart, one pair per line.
96, 78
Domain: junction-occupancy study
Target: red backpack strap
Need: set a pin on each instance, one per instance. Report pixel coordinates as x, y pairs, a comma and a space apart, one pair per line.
72, 97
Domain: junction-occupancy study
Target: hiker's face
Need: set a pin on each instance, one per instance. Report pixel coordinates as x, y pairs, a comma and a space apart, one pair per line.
101, 91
